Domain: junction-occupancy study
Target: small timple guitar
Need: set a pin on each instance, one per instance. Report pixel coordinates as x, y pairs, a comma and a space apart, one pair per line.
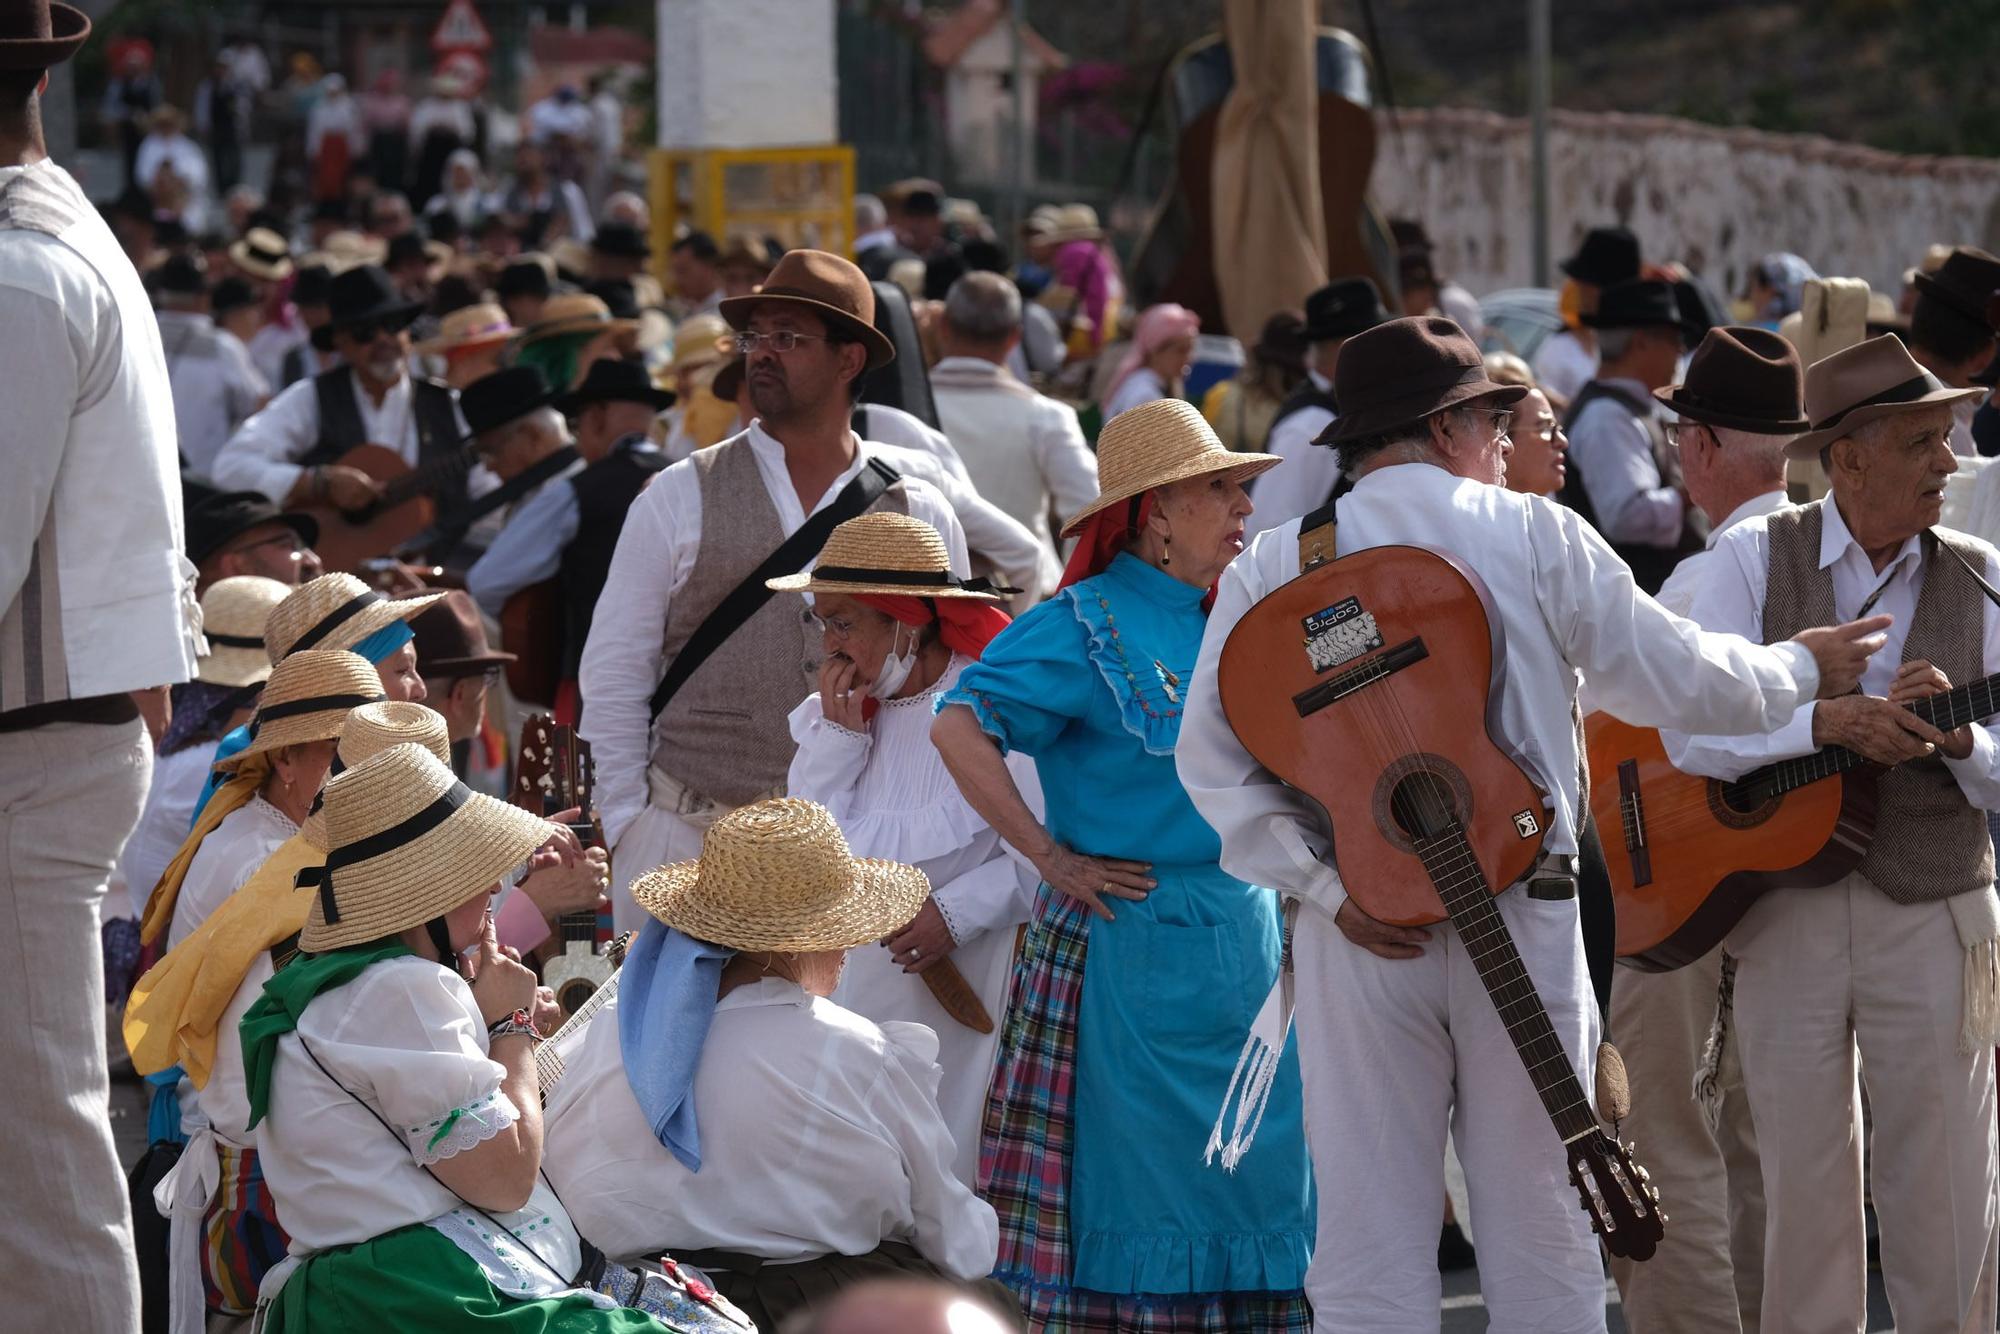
1368, 684
555, 773
551, 1055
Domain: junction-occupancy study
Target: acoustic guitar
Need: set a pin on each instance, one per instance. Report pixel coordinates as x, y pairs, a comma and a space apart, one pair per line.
551, 1055
1695, 853
531, 628
555, 772
350, 538
1368, 684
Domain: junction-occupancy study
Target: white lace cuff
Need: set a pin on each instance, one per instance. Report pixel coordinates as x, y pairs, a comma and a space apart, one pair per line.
958, 933
461, 1128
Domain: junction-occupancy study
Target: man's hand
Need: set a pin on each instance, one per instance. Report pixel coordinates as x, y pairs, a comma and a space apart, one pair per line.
558, 887
1873, 728
347, 488
1842, 652
1379, 938
1918, 679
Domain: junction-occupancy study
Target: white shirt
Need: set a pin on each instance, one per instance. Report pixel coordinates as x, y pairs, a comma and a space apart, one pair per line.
656, 553
225, 1099
1301, 484
230, 855
820, 1135
1612, 450
1141, 386
216, 387
163, 824
270, 344
1678, 592
184, 156
1962, 443
551, 117
1563, 365
261, 455
1731, 597
1566, 602
1024, 451
906, 430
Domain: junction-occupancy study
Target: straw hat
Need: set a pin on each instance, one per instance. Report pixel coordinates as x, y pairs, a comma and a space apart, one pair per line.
1155, 443
334, 611
408, 842
307, 698
886, 553
372, 729
233, 612
777, 876
262, 253
574, 312
468, 328
1076, 222
700, 341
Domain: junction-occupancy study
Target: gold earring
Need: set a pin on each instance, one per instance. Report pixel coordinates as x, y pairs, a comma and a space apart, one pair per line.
1166, 551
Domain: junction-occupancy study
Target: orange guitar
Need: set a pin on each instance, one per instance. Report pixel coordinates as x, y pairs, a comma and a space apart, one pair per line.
348, 539
1368, 684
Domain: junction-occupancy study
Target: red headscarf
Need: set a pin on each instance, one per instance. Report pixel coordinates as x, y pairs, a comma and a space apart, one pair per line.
965, 625
1108, 532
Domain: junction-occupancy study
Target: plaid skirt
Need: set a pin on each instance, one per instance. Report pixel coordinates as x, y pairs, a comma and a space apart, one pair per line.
1024, 1159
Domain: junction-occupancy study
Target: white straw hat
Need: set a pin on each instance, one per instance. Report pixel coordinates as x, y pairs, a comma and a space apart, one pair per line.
334, 611
308, 698
886, 553
370, 730
232, 618
408, 842
1166, 440
777, 876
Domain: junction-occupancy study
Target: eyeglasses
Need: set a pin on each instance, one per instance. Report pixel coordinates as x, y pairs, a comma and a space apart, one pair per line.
833, 625
1501, 420
1675, 430
284, 539
782, 340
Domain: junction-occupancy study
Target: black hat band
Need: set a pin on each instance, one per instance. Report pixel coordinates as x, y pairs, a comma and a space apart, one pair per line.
375, 845
315, 704
915, 579
234, 641
1909, 391
334, 619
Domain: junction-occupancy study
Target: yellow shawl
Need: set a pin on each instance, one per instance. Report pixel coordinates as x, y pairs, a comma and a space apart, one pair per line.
229, 798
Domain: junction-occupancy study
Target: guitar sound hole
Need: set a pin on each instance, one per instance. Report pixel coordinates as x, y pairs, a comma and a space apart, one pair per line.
1417, 797
572, 995
1740, 805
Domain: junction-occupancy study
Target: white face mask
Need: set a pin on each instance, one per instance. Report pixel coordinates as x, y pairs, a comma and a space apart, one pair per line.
896, 667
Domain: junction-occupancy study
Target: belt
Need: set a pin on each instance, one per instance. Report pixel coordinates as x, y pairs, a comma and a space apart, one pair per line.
105, 709
697, 808
1554, 877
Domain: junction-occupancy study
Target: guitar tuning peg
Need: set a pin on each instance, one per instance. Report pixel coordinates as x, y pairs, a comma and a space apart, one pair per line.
1664, 1220
1644, 1175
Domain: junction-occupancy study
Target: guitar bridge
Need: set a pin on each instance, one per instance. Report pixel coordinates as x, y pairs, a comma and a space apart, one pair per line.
1378, 668
1632, 815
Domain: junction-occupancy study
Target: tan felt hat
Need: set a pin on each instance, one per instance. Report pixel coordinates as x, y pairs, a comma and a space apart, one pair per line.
233, 612
885, 553
334, 611
1156, 443
777, 876
827, 286
307, 698
1873, 379
370, 730
408, 842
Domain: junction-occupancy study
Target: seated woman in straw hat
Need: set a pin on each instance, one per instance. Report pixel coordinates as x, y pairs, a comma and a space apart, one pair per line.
722, 1109
395, 1106
898, 631
1145, 963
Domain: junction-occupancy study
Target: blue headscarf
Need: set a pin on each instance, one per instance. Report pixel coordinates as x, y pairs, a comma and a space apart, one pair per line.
666, 1001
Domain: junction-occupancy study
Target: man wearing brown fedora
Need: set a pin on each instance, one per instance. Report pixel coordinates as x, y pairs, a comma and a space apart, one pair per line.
97, 620
1949, 333
1737, 407
1424, 434
1894, 961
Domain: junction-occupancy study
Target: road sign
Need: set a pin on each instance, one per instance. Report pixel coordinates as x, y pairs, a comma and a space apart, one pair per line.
461, 29
468, 68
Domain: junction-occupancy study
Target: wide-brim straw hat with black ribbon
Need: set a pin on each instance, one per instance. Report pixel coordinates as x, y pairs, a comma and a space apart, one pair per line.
1154, 445
39, 34
1871, 380
1401, 372
262, 253
824, 285
334, 611
468, 329
889, 554
1742, 379
777, 876
572, 313
370, 730
407, 843
233, 612
307, 699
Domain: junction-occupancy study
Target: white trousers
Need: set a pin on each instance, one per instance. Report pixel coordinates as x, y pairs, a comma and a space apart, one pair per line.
1822, 973
1395, 1052
1708, 1275
654, 838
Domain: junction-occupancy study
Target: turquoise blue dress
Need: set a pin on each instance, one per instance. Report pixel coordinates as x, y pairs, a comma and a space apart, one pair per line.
1099, 1179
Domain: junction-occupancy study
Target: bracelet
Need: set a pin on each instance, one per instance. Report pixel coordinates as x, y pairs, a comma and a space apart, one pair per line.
512, 1025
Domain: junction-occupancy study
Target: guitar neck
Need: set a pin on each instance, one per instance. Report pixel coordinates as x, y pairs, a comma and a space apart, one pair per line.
1947, 711
426, 477
548, 1061
1454, 870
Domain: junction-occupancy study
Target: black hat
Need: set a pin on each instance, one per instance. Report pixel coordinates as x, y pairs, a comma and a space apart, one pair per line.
1966, 282
1637, 304
1743, 379
330, 210
40, 33
364, 295
312, 285
522, 277
219, 516
1282, 342
183, 275
621, 240
506, 395
618, 296
1607, 256
1402, 371
232, 293
1343, 309
611, 380
922, 204
404, 247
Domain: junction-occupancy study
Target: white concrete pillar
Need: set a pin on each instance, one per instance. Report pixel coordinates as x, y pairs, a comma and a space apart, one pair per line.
746, 73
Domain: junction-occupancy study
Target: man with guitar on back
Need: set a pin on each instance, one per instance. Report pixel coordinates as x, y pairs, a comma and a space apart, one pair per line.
1897, 959
1397, 1037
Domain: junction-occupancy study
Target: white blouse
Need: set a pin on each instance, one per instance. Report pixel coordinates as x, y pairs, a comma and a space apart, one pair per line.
407, 1037
820, 1135
230, 855
163, 825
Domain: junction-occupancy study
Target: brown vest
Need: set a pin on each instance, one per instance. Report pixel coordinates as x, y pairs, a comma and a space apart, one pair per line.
1930, 842
724, 733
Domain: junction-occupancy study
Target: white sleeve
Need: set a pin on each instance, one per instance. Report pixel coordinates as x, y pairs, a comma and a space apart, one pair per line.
260, 456
955, 1229
44, 367
1302, 482
1615, 456
985, 527
999, 892
1068, 468
1271, 835
829, 759
1978, 774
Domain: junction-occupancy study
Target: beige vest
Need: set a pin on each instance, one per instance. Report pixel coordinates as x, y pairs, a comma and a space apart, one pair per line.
724, 733
1930, 842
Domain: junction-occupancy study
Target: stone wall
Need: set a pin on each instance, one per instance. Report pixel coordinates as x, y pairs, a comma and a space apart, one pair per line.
1716, 199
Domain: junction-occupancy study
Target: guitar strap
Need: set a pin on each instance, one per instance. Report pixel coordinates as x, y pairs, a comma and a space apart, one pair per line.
1992, 593
444, 536
1316, 533
749, 596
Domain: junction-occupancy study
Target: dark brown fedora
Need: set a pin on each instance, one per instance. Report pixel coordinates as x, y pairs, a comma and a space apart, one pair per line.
827, 286
1402, 371
35, 34
1859, 384
1965, 282
1742, 379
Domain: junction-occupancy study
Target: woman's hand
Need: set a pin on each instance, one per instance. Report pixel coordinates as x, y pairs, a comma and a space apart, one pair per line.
502, 984
923, 942
1091, 880
544, 1014
839, 702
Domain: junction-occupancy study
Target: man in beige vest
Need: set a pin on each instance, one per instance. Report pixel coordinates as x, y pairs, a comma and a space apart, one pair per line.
1896, 960
696, 534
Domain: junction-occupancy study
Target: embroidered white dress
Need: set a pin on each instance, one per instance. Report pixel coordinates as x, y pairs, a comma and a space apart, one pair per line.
894, 799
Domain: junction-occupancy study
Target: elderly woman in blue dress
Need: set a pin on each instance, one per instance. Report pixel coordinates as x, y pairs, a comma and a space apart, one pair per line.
1144, 963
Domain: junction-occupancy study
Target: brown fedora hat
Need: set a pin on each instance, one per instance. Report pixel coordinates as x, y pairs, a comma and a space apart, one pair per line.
1965, 282
1865, 382
1404, 370
828, 286
1742, 379
39, 33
